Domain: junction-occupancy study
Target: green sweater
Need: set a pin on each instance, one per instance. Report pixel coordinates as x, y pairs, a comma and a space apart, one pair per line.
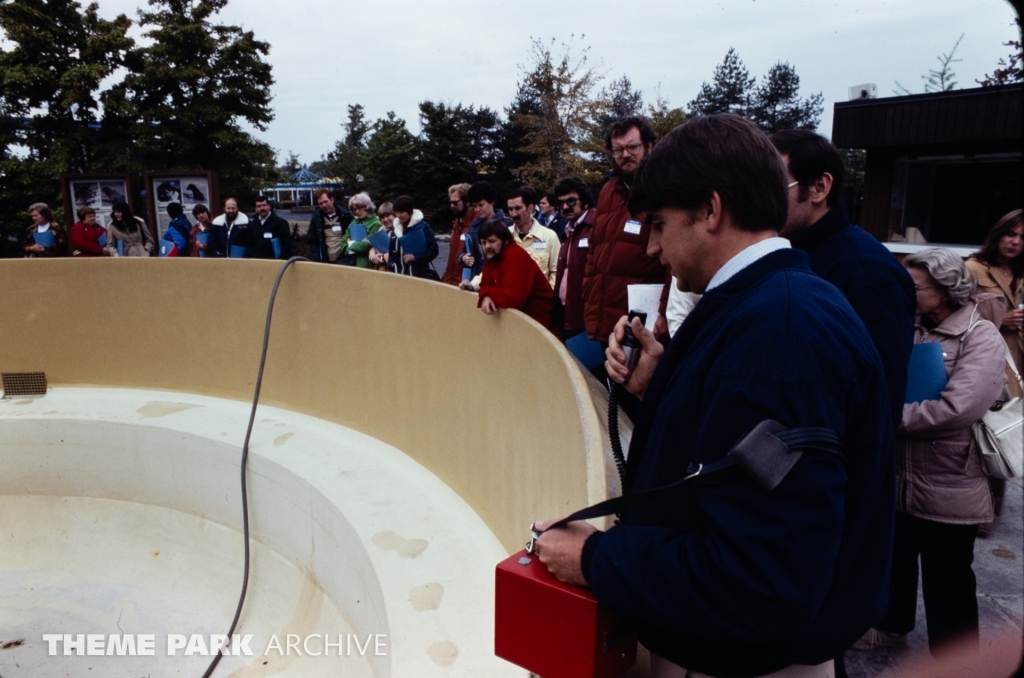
362, 248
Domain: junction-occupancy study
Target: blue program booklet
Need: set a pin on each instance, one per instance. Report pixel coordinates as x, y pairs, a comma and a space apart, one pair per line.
46, 238
276, 243
467, 274
120, 248
587, 351
380, 240
237, 252
926, 373
102, 240
166, 248
357, 232
414, 243
203, 238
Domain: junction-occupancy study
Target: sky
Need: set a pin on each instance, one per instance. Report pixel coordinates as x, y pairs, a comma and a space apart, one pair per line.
389, 55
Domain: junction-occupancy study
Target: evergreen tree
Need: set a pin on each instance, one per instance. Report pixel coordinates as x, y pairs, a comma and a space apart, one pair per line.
391, 159
618, 100
53, 57
729, 91
776, 105
348, 159
186, 93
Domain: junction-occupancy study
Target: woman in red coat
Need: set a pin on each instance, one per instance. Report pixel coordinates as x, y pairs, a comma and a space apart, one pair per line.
88, 239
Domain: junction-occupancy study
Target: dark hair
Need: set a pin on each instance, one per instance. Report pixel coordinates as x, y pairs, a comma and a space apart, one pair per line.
263, 198
481, 190
127, 218
404, 203
174, 209
84, 211
623, 125
199, 209
575, 185
722, 153
322, 191
550, 197
528, 194
495, 227
989, 251
810, 156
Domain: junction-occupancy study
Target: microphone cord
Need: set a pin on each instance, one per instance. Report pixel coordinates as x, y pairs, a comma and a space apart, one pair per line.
245, 459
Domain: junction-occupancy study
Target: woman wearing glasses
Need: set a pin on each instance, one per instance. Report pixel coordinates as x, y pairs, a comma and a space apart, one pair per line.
942, 491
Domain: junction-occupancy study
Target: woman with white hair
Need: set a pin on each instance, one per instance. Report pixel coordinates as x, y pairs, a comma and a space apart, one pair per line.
942, 491
358, 251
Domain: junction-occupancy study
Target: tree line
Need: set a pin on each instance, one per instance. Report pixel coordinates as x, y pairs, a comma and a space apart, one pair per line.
78, 94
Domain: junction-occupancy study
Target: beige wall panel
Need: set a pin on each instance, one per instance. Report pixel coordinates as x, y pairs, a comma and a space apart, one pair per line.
494, 406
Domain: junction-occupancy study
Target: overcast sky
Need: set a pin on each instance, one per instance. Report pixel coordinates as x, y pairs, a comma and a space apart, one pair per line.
393, 54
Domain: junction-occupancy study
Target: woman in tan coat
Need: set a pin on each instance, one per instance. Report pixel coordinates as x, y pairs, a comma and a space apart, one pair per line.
999, 269
942, 493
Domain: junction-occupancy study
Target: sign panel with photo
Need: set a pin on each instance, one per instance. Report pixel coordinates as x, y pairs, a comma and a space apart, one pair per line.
186, 189
99, 194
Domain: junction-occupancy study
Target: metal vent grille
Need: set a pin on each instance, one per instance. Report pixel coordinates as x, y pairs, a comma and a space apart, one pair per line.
24, 384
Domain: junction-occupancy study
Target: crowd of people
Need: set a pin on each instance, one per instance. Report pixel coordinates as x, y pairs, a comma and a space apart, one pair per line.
773, 306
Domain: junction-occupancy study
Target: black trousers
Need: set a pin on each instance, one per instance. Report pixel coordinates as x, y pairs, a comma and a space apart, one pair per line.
947, 580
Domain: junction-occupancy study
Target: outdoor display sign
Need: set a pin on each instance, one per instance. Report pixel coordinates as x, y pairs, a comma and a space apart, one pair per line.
98, 191
186, 187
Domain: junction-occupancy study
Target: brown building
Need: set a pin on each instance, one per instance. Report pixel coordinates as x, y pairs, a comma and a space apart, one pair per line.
947, 163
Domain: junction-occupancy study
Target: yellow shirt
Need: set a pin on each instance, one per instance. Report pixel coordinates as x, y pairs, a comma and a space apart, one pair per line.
542, 244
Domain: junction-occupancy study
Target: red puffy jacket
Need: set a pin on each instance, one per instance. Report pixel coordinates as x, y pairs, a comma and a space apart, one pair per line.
618, 258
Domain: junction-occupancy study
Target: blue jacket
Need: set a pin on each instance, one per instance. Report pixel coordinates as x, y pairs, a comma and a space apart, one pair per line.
725, 577
221, 241
472, 244
420, 267
876, 285
179, 231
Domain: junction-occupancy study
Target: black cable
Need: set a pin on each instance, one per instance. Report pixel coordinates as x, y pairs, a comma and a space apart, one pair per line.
245, 458
613, 433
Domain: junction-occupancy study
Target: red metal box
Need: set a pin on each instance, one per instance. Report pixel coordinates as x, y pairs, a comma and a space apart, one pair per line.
556, 630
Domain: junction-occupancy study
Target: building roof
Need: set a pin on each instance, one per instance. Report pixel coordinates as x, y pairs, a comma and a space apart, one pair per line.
982, 114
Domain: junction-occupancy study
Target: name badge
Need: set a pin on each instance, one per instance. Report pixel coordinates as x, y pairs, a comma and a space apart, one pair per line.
337, 229
584, 243
633, 226
268, 236
540, 245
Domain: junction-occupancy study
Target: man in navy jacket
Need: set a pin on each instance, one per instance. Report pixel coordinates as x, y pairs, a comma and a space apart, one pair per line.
725, 577
873, 281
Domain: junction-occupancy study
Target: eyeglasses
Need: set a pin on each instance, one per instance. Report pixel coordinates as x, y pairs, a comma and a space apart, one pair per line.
632, 148
568, 202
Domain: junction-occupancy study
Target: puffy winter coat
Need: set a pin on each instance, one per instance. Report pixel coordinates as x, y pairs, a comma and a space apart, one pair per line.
618, 258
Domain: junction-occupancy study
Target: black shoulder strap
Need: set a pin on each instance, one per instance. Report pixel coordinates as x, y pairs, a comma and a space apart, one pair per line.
767, 454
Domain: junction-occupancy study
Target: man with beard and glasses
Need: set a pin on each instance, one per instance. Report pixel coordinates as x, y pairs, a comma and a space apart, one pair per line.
510, 277
618, 243
464, 215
